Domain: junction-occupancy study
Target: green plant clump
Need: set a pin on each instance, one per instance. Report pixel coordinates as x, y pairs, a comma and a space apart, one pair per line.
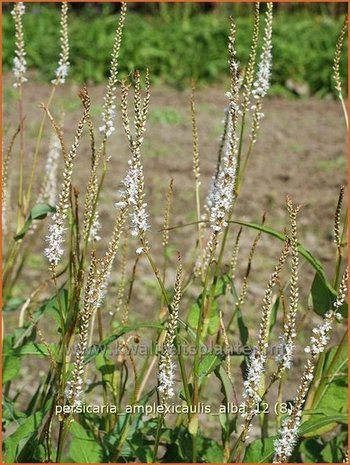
200, 51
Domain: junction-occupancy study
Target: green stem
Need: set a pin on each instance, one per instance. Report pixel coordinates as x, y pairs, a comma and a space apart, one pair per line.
157, 437
183, 371
37, 147
194, 448
61, 438
20, 213
200, 241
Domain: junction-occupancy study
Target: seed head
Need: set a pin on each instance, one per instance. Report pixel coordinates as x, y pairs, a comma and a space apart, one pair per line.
337, 56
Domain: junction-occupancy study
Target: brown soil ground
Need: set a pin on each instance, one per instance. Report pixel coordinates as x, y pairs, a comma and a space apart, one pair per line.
301, 151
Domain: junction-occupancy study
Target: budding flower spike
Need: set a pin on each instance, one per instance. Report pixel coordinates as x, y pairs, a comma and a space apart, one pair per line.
132, 192
63, 64
166, 373
222, 193
258, 357
285, 353
19, 62
263, 79
262, 83
336, 67
56, 237
49, 187
110, 254
109, 107
249, 74
74, 387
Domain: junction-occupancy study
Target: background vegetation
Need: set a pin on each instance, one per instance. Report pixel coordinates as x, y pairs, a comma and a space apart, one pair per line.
200, 35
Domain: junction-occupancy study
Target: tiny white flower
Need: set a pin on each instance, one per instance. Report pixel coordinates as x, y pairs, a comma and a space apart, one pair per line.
95, 228
55, 239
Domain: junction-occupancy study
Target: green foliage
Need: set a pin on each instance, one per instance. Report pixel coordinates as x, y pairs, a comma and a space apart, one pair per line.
323, 298
84, 448
212, 321
38, 212
200, 51
10, 361
260, 451
22, 444
178, 449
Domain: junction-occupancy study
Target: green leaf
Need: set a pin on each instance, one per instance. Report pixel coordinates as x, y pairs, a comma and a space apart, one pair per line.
188, 329
337, 389
208, 450
52, 306
242, 327
208, 364
320, 425
329, 409
213, 321
13, 304
226, 385
304, 252
15, 443
38, 212
11, 362
38, 349
274, 311
125, 420
335, 449
323, 298
84, 448
193, 315
9, 412
106, 368
260, 451
221, 285
335, 365
228, 424
310, 450
331, 385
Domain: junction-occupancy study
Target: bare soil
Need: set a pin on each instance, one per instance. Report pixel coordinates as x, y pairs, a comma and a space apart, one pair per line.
301, 151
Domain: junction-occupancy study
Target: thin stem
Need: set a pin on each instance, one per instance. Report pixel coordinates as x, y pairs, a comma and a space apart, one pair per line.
37, 147
20, 212
157, 437
61, 438
345, 111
